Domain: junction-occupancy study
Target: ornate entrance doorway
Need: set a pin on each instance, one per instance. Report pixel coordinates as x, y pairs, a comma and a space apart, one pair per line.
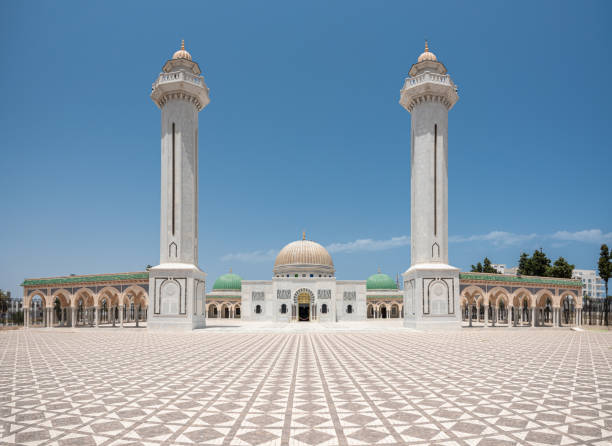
303, 306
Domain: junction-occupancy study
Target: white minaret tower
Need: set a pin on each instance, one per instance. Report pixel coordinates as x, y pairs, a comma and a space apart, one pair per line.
431, 286
177, 285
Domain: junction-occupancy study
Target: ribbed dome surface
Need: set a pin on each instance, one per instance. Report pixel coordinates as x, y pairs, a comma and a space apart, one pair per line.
182, 53
380, 282
228, 282
303, 252
427, 55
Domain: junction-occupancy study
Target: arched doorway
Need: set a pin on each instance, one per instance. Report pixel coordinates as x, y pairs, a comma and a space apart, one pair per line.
303, 300
383, 312
370, 311
212, 311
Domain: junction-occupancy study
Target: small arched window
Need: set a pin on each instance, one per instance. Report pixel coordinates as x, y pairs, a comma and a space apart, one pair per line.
324, 308
258, 309
283, 308
349, 309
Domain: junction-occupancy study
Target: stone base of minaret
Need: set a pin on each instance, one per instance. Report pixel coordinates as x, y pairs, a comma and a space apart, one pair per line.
431, 297
177, 293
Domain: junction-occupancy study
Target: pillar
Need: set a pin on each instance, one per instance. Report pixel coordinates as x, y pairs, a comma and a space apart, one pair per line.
493, 315
73, 316
469, 315
97, 316
533, 314
121, 316
137, 315
486, 315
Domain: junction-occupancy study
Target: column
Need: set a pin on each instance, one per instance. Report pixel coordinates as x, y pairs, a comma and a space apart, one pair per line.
469, 315
121, 316
137, 315
493, 315
97, 316
486, 315
73, 316
533, 314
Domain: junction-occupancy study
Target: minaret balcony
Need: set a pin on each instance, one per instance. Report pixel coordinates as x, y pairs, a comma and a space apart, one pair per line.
428, 87
180, 82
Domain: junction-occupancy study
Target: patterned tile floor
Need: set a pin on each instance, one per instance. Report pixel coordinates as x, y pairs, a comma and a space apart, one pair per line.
387, 387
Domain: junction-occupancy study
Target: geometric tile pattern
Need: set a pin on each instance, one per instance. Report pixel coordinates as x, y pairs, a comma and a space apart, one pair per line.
390, 387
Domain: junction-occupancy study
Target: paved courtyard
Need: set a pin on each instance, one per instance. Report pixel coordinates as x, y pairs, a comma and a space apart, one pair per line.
383, 387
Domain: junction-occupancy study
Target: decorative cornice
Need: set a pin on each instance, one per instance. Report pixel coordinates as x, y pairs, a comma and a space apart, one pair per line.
180, 96
428, 98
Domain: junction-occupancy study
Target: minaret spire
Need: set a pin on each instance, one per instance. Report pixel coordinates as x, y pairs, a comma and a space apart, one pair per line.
303, 235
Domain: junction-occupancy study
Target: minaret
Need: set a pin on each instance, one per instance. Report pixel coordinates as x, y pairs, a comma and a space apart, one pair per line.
431, 286
177, 284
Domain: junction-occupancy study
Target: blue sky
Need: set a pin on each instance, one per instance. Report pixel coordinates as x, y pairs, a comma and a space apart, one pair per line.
303, 132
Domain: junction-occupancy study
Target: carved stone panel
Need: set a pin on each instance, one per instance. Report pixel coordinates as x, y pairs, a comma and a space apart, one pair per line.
283, 294
258, 295
324, 294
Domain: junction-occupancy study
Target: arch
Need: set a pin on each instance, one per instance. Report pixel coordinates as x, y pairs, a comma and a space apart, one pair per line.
283, 309
566, 293
85, 294
258, 309
107, 291
518, 294
370, 311
139, 294
395, 311
225, 311
212, 310
324, 309
540, 297
498, 293
349, 309
43, 297
170, 296
237, 309
472, 292
301, 291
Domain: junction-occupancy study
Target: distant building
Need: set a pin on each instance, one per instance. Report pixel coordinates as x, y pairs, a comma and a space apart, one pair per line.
499, 267
592, 284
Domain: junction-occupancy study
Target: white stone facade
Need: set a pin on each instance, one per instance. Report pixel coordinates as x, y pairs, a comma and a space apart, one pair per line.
431, 286
177, 285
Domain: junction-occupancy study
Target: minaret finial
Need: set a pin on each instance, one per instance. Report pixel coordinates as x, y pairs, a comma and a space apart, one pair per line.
183, 44
426, 46
303, 235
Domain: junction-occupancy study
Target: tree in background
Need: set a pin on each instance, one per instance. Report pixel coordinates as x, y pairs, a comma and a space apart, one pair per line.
538, 263
486, 268
560, 269
604, 267
523, 265
5, 303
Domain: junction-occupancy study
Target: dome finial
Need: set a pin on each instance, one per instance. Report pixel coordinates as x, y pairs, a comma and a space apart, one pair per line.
182, 53
183, 44
426, 46
379, 270
303, 235
230, 270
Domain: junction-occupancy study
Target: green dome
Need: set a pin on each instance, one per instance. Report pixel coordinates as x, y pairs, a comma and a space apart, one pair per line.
228, 282
380, 282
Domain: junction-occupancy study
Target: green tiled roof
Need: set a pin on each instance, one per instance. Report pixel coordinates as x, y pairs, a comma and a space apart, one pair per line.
394, 296
221, 297
520, 279
67, 280
380, 282
228, 282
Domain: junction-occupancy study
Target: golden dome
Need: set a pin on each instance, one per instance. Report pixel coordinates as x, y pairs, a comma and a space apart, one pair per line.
427, 55
182, 53
303, 252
